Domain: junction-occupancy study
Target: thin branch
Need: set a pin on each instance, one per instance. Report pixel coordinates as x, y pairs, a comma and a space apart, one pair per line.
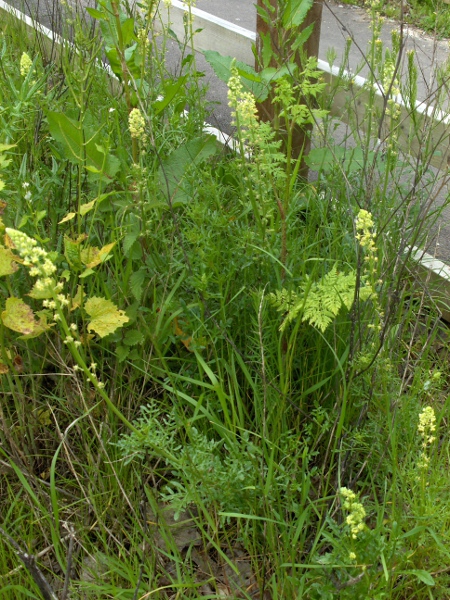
30, 564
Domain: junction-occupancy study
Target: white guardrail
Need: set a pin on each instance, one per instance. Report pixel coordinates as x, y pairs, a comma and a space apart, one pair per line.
349, 102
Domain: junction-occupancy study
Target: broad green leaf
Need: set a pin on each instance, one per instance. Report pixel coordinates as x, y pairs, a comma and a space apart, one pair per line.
72, 138
174, 168
169, 92
8, 264
19, 317
272, 74
131, 237
250, 79
128, 35
338, 157
302, 37
105, 316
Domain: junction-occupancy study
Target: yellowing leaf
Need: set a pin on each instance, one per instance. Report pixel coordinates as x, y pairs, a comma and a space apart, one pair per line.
43, 416
19, 317
106, 317
85, 208
77, 300
185, 338
92, 256
3, 368
68, 217
8, 263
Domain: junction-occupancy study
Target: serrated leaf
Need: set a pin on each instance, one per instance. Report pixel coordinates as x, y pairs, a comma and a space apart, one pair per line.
105, 315
133, 337
130, 238
136, 283
19, 317
295, 12
122, 352
8, 264
349, 160
72, 251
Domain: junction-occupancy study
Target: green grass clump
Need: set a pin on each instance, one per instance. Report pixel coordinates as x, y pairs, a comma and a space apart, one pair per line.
219, 378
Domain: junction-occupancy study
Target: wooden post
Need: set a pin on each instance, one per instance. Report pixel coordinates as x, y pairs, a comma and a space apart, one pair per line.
267, 110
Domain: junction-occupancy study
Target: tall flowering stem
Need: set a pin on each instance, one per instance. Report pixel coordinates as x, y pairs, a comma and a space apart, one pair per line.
426, 428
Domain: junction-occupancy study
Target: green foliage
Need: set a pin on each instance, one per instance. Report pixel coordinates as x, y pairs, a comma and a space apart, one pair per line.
80, 146
145, 272
321, 301
200, 470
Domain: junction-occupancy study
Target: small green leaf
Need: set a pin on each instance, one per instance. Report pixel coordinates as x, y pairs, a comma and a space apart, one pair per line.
95, 14
133, 337
122, 353
136, 282
423, 576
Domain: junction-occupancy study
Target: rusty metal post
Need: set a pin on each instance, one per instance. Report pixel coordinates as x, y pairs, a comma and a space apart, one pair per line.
267, 110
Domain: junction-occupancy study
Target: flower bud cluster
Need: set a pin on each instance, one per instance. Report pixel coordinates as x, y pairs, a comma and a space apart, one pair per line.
427, 426
357, 513
136, 124
365, 236
25, 64
34, 257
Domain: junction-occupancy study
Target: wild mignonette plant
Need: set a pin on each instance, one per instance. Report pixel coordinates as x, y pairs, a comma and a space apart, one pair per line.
57, 309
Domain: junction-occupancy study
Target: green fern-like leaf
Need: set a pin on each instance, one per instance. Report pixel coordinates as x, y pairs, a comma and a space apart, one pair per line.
320, 302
